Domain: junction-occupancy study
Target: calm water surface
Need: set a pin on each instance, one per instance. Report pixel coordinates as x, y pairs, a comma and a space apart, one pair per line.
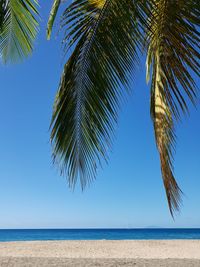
97, 234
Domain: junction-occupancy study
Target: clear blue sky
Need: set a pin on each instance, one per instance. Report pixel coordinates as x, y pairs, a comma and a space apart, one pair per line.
127, 193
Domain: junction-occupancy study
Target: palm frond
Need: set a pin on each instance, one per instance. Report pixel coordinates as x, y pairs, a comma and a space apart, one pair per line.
106, 35
52, 17
19, 29
173, 52
2, 13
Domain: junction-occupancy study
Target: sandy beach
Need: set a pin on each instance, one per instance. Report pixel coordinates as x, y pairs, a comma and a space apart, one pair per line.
101, 253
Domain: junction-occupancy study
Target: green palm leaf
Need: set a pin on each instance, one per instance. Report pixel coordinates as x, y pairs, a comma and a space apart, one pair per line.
173, 51
19, 29
106, 37
52, 17
2, 13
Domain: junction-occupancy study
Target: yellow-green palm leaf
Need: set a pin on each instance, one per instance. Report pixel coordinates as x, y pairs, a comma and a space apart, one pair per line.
173, 50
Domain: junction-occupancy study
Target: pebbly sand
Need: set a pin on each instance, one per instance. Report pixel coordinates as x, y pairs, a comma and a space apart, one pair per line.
152, 253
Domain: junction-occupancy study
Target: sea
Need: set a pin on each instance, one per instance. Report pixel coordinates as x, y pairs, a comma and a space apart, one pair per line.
98, 234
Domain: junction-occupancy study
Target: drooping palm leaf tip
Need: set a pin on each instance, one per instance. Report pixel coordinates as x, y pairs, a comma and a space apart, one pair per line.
105, 36
173, 49
18, 28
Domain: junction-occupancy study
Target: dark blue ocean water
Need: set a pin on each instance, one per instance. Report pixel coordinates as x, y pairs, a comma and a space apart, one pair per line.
97, 234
